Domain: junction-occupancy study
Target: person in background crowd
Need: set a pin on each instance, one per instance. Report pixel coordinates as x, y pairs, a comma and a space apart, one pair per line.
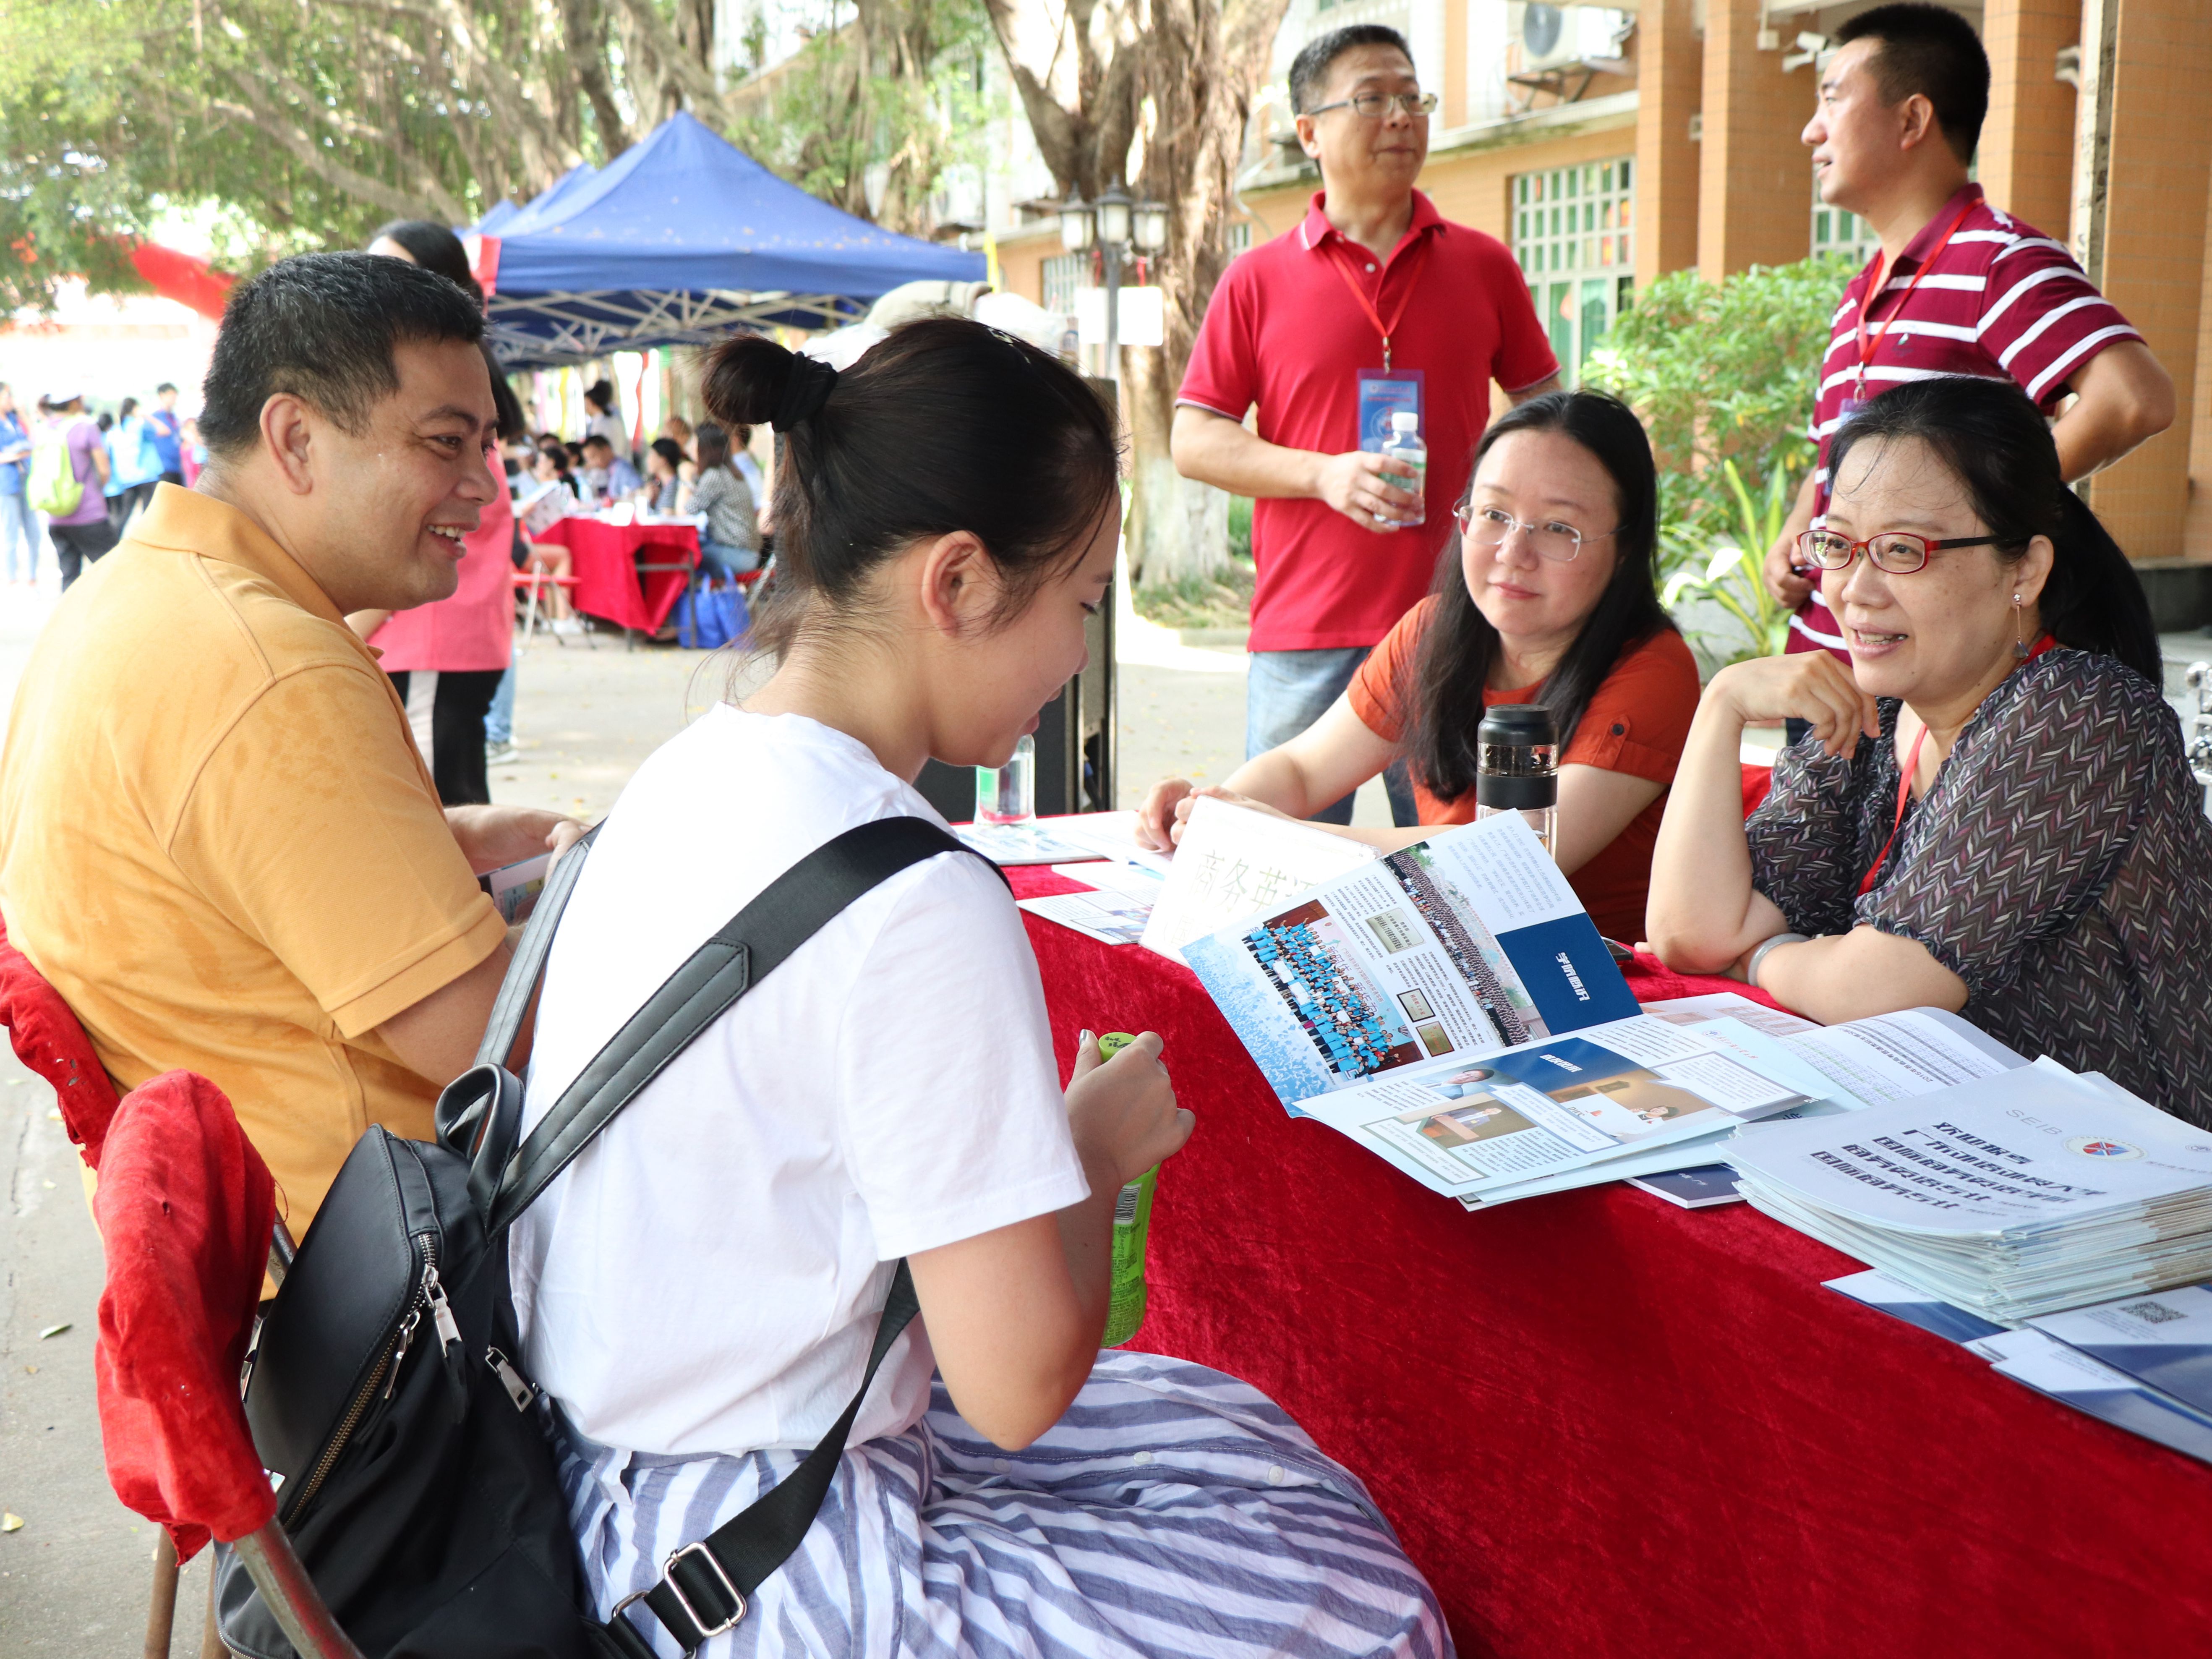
658, 493
1958, 287
677, 431
464, 643
200, 739
605, 476
1309, 328
601, 421
134, 464
1552, 599
741, 457
193, 453
81, 536
165, 427
547, 558
1992, 812
19, 526
961, 510
731, 542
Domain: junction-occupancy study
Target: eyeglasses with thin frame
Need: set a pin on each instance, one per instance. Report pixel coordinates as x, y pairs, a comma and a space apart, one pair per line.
1374, 105
1900, 552
1554, 539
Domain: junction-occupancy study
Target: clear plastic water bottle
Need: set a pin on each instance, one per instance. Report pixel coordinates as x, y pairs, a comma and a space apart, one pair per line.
1133, 1224
1007, 794
1518, 766
1406, 445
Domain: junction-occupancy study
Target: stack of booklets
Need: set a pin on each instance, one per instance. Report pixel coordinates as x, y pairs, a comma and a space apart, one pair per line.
2009, 1197
2142, 1363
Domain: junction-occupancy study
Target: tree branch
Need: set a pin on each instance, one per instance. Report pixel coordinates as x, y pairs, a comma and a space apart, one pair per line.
297, 144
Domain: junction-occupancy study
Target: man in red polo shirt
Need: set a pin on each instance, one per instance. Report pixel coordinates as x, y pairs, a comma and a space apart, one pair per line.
1959, 287
1374, 303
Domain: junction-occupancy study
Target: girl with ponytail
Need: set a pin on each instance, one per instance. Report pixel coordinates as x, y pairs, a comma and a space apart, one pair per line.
701, 1287
1992, 812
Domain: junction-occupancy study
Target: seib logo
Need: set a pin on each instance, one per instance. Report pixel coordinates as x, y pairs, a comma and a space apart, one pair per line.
2091, 1146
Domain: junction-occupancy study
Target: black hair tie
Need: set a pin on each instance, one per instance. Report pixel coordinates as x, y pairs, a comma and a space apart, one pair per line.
806, 389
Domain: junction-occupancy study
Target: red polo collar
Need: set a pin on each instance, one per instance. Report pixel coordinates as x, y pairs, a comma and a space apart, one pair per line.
1315, 231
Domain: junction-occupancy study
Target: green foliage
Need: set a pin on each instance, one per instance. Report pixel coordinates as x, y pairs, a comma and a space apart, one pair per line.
1722, 373
1729, 579
898, 93
1240, 527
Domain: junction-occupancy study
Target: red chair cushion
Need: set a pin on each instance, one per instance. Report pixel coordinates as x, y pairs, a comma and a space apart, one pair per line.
48, 1039
186, 1208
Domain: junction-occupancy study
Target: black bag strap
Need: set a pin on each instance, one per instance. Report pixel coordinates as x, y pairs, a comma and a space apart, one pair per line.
705, 1587
783, 916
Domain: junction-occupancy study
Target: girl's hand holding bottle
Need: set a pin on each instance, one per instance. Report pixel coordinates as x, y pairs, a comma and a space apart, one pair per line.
1122, 1111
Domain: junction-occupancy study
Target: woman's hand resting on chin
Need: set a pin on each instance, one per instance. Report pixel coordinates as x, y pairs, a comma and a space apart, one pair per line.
1808, 685
1166, 810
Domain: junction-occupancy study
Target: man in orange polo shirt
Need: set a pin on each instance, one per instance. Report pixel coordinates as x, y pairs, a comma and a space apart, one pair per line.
217, 838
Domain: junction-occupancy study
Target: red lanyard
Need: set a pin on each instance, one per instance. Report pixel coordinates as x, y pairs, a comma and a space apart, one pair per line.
1875, 286
1386, 330
1911, 771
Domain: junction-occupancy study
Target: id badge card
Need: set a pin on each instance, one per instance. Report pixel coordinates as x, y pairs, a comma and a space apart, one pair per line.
1382, 394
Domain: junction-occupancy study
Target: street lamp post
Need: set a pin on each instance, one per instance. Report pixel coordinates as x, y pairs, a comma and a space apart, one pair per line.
1114, 224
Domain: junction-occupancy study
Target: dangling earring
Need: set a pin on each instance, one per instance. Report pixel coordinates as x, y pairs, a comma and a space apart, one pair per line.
2019, 631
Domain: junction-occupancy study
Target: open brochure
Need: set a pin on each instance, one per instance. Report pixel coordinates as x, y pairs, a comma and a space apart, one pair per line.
1232, 862
1588, 1103
1457, 947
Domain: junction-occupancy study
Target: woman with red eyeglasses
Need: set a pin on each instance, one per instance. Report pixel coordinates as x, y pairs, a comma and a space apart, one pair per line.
1993, 813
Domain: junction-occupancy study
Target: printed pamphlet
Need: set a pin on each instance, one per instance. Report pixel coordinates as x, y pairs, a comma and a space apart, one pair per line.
1232, 862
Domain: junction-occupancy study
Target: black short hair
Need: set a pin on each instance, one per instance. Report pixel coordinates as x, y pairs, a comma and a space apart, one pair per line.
1309, 69
1935, 52
599, 439
323, 327
165, 386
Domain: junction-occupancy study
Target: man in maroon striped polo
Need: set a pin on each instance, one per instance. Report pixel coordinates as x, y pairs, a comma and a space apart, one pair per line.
1959, 287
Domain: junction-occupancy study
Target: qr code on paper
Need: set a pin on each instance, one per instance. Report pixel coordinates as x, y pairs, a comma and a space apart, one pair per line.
2151, 1313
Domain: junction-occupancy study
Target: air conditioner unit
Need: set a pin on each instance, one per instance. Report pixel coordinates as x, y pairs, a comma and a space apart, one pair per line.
1547, 35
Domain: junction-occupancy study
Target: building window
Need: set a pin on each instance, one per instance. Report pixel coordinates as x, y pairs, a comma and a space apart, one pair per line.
1574, 233
1835, 231
1063, 274
1240, 238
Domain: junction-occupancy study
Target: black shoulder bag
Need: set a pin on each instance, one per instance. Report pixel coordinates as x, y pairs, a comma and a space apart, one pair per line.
414, 1471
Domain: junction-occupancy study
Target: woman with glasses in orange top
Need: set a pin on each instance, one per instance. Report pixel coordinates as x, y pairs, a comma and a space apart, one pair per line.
1547, 596
1992, 813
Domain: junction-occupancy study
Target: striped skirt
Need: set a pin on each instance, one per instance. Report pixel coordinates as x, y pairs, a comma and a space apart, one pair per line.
1172, 1510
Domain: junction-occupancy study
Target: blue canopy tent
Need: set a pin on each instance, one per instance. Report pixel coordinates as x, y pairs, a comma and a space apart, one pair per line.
677, 242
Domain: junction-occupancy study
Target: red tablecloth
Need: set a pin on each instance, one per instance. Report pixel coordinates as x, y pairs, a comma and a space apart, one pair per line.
605, 561
1603, 1424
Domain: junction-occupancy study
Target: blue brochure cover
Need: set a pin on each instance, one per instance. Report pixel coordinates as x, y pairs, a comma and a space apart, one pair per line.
2074, 1379
2163, 1339
1885, 1295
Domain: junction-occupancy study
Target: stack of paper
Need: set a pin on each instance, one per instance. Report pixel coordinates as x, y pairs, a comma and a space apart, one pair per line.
2009, 1197
2142, 1363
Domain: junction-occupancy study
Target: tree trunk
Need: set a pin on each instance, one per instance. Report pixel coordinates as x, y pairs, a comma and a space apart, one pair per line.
1186, 71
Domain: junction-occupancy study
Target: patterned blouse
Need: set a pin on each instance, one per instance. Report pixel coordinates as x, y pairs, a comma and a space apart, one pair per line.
2061, 866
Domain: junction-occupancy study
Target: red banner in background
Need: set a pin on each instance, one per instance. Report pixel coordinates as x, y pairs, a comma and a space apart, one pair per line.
181, 278
483, 262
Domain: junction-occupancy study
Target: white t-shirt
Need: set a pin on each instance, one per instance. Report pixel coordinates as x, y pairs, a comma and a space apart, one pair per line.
707, 1276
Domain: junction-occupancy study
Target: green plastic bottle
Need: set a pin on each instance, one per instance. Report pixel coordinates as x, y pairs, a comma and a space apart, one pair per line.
1133, 1220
